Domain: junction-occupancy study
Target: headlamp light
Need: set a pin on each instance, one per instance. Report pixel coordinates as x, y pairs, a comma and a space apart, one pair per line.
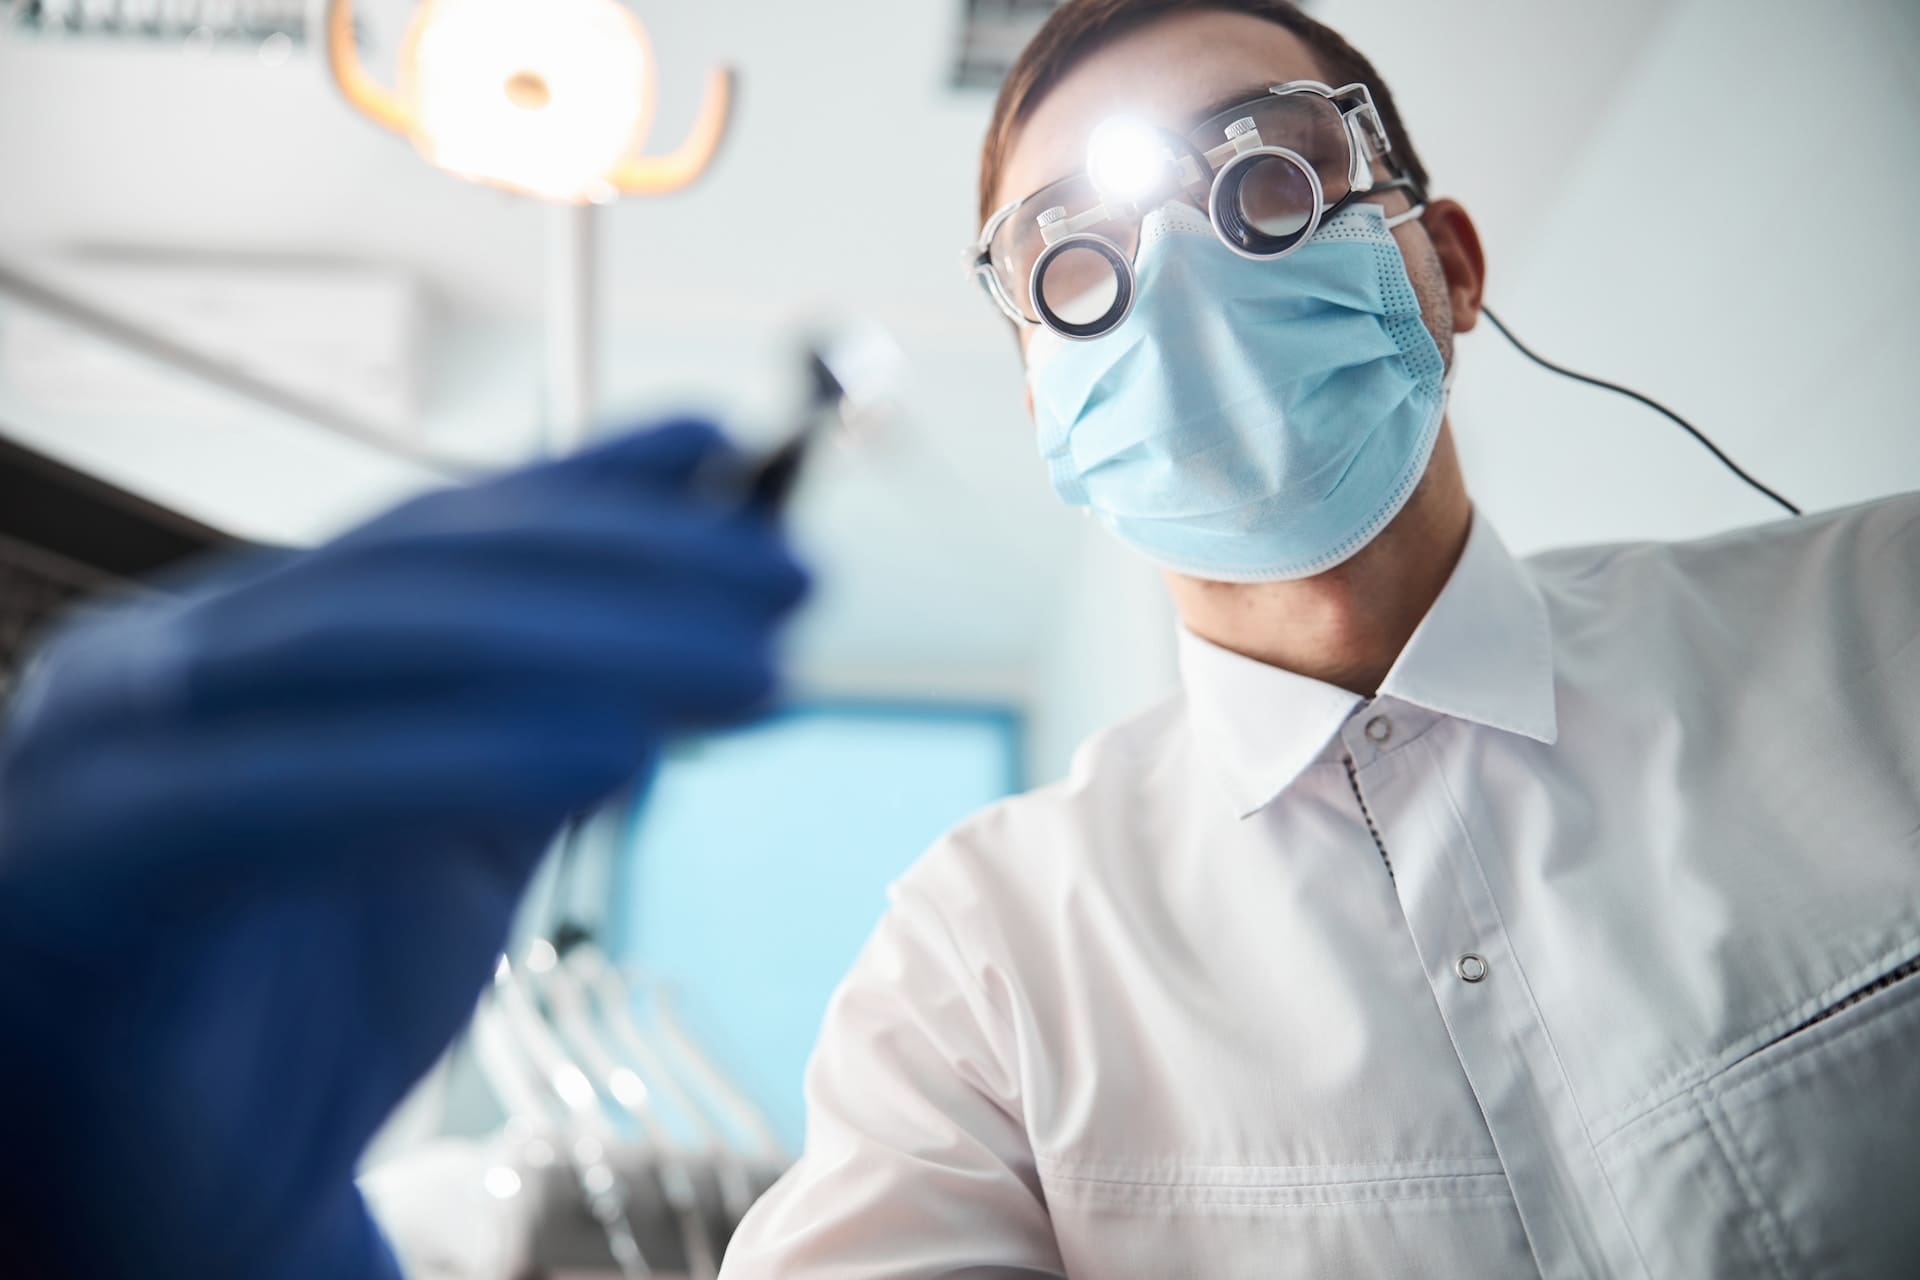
1128, 161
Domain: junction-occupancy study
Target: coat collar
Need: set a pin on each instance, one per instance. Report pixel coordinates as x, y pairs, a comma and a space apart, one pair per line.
1483, 653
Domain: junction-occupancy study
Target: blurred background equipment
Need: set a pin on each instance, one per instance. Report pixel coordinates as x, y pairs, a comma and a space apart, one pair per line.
967, 631
66, 537
992, 33
273, 25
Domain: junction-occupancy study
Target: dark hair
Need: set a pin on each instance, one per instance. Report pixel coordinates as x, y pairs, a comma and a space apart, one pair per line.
1079, 27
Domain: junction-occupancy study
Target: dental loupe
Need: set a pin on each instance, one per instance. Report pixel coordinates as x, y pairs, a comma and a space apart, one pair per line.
1267, 172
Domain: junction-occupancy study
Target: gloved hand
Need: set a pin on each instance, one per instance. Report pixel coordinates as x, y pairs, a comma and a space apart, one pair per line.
260, 844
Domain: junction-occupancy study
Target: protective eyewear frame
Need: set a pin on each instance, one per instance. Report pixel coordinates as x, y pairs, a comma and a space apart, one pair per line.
1225, 169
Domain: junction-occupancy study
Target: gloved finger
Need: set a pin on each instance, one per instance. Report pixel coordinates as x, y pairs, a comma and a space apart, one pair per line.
665, 667
310, 795
375, 745
583, 536
664, 460
372, 752
694, 653
652, 462
661, 457
391, 611
581, 577
595, 534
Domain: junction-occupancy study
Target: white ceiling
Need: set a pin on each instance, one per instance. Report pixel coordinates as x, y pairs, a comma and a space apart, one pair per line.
849, 176
847, 186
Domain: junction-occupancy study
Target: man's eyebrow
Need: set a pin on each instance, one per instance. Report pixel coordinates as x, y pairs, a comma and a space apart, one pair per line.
1240, 97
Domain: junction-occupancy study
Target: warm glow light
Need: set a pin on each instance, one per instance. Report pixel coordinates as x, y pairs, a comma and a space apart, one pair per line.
1127, 160
552, 98
545, 96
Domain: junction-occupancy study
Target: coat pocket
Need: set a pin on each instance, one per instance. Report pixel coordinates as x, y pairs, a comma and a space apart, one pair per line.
1820, 1129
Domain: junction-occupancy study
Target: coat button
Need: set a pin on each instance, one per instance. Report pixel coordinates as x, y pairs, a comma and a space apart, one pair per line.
1472, 968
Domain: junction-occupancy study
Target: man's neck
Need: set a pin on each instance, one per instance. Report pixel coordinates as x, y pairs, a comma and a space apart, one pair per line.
1346, 626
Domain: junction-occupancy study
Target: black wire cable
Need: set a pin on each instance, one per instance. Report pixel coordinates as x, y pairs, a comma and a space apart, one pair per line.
1648, 401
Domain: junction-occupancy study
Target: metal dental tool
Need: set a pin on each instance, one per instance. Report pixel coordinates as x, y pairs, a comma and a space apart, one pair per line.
851, 373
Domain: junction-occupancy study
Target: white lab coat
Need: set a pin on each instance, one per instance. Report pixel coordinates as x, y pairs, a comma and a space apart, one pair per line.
1175, 1017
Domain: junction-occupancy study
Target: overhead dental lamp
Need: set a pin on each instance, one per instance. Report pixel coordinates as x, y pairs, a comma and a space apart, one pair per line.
551, 98
547, 98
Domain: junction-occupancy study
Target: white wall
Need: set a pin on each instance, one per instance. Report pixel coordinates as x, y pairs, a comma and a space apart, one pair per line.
1502, 97
1111, 650
1736, 239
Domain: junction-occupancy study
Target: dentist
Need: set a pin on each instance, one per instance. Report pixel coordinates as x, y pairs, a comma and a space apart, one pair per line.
1462, 916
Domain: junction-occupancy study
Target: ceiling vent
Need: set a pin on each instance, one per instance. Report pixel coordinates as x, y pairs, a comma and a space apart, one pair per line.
992, 33
271, 25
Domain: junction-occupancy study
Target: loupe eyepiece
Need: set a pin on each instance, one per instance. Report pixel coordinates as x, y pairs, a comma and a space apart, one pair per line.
1266, 201
1082, 286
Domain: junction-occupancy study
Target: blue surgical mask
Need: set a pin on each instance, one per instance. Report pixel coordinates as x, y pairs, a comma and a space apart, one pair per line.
1250, 421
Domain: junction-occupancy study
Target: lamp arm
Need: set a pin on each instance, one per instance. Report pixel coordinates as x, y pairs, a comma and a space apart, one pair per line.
367, 96
656, 175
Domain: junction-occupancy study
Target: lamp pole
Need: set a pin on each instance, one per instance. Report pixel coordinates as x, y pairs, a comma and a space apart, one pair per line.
572, 324
463, 96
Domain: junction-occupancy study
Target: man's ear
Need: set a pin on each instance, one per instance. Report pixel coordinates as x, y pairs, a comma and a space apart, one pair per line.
1457, 243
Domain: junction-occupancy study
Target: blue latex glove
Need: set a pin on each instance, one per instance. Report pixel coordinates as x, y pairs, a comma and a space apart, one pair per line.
260, 844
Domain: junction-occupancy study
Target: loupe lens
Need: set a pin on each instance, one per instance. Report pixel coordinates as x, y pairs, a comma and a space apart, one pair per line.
1078, 285
1276, 198
1266, 202
1082, 287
